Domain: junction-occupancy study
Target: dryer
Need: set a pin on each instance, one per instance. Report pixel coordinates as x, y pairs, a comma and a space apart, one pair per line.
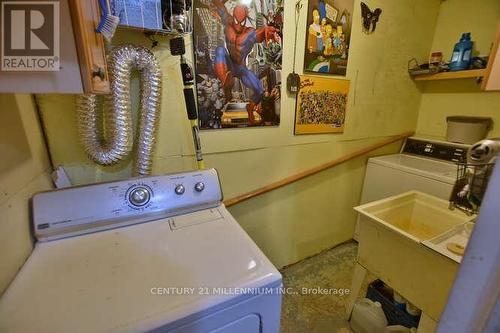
153, 254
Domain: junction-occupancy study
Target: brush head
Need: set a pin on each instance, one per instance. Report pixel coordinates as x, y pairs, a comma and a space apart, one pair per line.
177, 46
107, 26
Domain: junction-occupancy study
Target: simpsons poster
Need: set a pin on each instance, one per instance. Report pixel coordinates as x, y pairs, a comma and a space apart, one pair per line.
328, 35
321, 105
238, 50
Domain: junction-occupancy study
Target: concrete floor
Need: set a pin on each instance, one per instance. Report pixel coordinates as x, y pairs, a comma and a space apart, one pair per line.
331, 272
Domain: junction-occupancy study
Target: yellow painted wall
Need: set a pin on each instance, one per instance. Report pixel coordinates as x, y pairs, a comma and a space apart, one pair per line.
460, 97
24, 170
313, 214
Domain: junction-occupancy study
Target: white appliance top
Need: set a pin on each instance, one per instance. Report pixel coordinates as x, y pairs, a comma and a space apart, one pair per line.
135, 278
421, 166
426, 158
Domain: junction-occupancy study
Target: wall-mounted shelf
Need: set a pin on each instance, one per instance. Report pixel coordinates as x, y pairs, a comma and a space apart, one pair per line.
467, 74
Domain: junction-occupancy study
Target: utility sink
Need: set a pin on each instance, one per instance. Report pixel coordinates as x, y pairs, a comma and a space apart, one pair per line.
403, 240
415, 215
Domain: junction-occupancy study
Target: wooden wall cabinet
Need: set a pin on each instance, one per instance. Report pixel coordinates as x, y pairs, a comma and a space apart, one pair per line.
83, 66
491, 80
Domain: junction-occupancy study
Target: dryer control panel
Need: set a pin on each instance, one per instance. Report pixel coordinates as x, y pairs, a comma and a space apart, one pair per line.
446, 151
84, 209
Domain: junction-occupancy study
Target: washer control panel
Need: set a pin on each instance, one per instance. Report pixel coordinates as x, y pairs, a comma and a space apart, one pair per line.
73, 211
446, 151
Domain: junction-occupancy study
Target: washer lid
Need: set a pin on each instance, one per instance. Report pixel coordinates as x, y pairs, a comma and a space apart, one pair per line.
135, 278
421, 166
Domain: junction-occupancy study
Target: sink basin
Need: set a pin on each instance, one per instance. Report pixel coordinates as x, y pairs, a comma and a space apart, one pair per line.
401, 240
414, 214
458, 235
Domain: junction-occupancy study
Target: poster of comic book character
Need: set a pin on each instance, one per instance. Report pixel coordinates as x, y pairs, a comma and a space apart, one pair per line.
238, 47
321, 105
328, 35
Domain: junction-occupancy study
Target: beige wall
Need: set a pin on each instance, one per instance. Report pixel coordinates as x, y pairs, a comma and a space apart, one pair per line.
24, 170
316, 213
460, 97
313, 214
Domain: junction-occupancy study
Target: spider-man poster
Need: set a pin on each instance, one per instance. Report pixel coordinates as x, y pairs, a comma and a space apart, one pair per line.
238, 48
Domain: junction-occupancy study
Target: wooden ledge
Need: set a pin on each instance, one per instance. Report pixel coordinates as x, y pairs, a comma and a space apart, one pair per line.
315, 170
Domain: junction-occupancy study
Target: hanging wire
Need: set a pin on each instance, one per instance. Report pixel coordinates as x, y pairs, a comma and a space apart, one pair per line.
298, 7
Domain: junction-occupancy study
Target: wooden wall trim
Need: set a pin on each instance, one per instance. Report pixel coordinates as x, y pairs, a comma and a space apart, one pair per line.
315, 170
490, 82
90, 45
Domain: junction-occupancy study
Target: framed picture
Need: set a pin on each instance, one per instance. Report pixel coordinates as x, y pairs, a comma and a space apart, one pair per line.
321, 105
238, 47
331, 12
328, 36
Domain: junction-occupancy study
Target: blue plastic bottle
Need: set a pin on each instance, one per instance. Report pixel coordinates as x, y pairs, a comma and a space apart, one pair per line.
461, 57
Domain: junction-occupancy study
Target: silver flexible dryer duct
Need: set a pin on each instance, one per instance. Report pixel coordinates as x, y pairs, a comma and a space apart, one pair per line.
110, 141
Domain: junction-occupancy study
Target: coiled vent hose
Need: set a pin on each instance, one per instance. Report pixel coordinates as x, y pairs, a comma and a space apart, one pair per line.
109, 139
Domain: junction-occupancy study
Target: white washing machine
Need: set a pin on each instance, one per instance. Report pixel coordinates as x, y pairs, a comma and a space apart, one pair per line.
159, 254
423, 165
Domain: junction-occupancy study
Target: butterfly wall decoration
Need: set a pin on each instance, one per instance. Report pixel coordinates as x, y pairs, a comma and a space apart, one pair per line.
370, 18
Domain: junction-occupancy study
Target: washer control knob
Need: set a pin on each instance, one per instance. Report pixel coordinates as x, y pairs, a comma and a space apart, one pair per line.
180, 189
198, 187
139, 196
